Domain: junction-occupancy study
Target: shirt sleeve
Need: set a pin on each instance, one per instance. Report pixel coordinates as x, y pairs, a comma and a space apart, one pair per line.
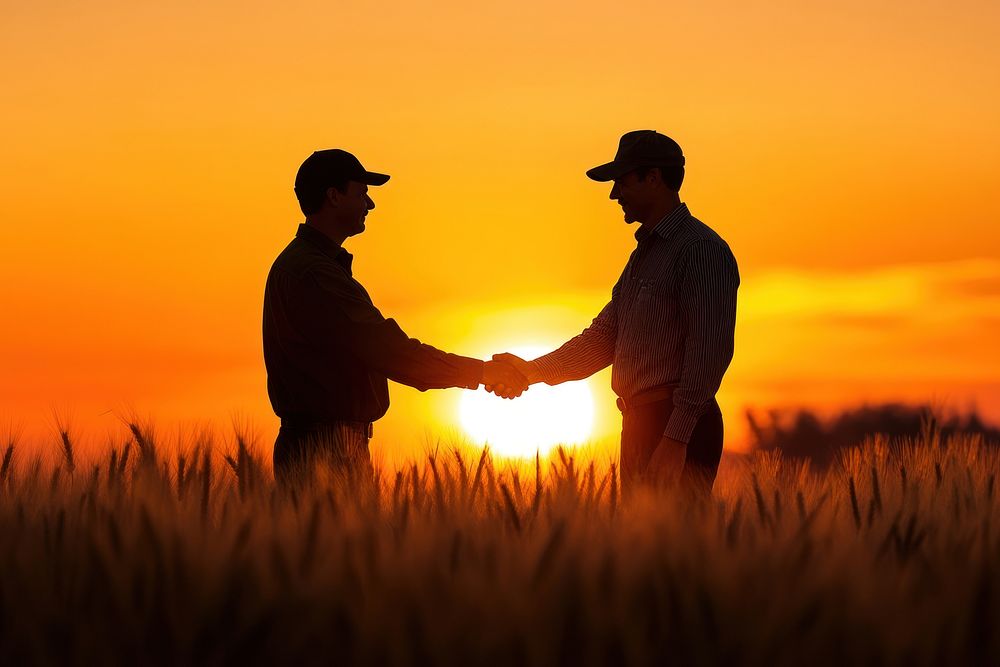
584, 354
708, 295
339, 313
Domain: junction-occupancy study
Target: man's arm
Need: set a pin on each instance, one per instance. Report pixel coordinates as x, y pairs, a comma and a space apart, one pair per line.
578, 358
708, 292
334, 312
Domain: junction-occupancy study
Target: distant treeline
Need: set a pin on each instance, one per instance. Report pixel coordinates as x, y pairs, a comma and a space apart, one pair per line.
803, 434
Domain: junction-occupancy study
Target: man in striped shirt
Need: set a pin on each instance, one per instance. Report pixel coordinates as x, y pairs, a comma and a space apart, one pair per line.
668, 329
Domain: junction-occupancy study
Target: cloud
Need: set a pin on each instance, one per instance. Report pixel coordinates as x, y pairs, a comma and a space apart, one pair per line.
972, 280
961, 290
832, 338
870, 321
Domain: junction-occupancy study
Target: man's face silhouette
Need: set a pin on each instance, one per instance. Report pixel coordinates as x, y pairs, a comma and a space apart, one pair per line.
635, 195
352, 206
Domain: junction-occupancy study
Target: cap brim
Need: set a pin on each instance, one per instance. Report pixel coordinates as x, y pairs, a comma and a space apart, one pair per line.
372, 178
610, 171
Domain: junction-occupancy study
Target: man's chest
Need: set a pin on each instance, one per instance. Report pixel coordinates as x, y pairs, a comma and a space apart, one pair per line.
650, 290
654, 266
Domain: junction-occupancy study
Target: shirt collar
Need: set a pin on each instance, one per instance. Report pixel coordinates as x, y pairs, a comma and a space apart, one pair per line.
317, 238
667, 224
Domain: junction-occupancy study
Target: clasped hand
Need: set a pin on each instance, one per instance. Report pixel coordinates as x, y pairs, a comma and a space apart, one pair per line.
508, 375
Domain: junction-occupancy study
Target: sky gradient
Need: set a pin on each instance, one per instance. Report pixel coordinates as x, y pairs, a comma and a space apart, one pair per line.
847, 152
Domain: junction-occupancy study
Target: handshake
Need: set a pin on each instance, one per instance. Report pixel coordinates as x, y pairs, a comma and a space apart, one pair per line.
508, 375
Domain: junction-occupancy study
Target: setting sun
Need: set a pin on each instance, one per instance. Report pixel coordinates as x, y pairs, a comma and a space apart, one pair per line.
540, 419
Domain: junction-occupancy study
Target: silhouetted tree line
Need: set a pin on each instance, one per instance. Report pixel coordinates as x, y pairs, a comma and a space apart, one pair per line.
803, 434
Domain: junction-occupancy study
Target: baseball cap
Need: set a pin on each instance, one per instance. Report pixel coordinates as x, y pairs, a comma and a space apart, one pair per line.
639, 148
324, 168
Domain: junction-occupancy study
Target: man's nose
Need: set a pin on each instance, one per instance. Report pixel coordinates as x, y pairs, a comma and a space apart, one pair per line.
614, 192
371, 202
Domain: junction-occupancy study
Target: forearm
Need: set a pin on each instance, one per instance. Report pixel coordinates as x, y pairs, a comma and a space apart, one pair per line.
582, 355
340, 313
578, 358
694, 395
408, 361
711, 282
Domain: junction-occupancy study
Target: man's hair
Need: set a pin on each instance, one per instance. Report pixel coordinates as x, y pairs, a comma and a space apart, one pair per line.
672, 176
311, 200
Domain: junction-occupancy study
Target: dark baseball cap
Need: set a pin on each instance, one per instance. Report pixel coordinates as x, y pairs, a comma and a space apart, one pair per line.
323, 169
640, 148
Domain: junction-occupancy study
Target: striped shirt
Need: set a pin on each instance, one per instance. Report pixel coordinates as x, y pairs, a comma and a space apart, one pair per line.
671, 321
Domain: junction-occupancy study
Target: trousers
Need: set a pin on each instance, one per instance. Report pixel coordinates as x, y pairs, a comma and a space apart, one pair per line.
339, 447
642, 429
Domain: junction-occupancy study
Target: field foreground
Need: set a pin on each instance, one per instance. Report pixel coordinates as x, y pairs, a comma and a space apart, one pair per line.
890, 557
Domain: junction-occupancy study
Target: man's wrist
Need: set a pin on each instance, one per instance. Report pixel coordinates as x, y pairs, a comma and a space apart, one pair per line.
680, 425
534, 372
542, 370
479, 375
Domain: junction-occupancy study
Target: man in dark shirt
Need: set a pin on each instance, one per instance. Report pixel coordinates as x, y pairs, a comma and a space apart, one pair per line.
668, 330
327, 349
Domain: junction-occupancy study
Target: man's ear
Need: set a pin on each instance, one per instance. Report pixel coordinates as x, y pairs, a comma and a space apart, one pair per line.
333, 196
655, 176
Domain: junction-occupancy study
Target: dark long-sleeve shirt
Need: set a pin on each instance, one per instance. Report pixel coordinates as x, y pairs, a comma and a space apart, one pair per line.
671, 321
329, 351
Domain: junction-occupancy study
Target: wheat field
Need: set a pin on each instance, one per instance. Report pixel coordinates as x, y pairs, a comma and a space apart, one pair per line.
138, 556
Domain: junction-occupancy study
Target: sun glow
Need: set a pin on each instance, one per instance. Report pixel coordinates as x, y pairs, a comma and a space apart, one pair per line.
537, 421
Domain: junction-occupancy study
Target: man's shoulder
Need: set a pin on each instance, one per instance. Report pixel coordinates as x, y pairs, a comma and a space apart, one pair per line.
694, 233
693, 230
301, 259
699, 240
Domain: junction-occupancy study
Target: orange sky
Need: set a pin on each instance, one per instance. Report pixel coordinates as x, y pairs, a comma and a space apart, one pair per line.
845, 152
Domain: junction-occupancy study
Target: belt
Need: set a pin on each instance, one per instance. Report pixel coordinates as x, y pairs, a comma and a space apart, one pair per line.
651, 395
365, 428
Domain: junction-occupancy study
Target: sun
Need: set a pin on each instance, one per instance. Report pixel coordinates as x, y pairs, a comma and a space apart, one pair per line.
537, 421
